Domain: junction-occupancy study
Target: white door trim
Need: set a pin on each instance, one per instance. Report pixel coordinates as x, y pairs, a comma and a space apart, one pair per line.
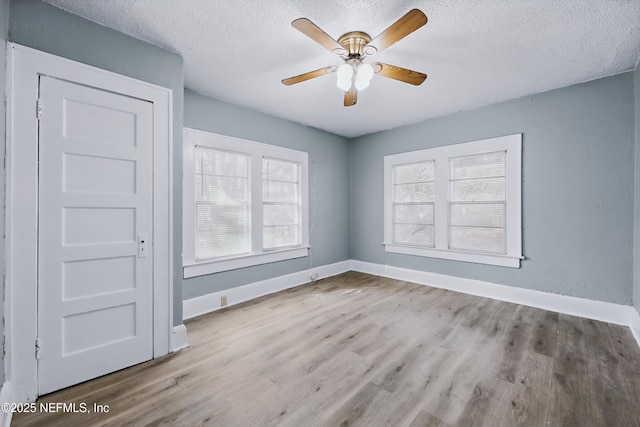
24, 67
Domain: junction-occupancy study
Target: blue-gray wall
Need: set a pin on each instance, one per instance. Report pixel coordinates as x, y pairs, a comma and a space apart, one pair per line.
578, 188
328, 165
4, 32
41, 26
636, 255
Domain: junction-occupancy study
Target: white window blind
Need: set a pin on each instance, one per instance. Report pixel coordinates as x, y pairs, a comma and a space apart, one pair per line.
413, 198
477, 203
281, 203
222, 203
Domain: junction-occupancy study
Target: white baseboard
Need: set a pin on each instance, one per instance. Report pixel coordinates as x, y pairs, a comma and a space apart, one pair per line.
591, 309
179, 338
211, 302
6, 397
634, 325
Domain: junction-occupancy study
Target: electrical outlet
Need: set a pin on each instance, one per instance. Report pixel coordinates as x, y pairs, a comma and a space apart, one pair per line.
223, 300
314, 276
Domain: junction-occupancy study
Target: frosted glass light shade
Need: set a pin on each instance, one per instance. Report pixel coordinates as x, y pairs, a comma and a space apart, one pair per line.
364, 73
345, 75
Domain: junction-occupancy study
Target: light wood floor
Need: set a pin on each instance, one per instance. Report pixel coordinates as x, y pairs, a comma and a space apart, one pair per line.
359, 350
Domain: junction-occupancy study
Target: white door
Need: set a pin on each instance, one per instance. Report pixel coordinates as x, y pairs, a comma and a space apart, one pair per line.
95, 233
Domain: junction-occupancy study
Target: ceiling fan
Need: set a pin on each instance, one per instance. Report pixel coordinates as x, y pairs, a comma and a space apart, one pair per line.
354, 75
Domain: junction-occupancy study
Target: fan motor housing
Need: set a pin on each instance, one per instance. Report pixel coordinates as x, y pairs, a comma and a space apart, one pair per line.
354, 43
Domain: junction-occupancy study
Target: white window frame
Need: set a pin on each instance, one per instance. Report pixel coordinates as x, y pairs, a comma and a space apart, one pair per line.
257, 151
512, 146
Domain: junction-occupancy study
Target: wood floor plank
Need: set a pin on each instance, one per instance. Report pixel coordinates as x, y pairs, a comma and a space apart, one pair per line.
543, 336
323, 390
362, 409
361, 350
425, 419
608, 380
486, 405
514, 345
626, 349
450, 391
528, 406
301, 417
573, 403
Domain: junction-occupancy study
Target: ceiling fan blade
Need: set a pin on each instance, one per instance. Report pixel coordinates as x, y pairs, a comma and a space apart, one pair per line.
404, 26
399, 73
314, 32
308, 76
351, 97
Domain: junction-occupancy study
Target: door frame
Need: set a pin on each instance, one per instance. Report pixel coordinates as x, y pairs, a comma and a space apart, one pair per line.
24, 66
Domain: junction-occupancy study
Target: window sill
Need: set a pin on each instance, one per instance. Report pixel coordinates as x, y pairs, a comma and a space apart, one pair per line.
490, 259
219, 265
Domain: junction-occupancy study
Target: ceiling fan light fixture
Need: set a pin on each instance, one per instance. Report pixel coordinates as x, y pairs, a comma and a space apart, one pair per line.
353, 47
345, 76
364, 74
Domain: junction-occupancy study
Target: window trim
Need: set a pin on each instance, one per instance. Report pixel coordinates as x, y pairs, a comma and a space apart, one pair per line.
257, 151
512, 146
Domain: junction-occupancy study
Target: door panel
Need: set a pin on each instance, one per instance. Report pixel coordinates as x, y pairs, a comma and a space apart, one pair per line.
85, 174
95, 201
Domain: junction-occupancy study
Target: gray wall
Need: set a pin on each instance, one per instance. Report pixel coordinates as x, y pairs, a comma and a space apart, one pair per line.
636, 254
4, 31
328, 161
578, 187
46, 28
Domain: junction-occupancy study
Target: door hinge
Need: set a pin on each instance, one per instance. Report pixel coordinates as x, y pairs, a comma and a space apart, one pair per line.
38, 109
37, 348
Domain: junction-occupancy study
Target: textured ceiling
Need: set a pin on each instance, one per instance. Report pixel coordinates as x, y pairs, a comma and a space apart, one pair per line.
475, 52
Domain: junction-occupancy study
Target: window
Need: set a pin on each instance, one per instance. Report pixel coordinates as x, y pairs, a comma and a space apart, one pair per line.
281, 204
477, 203
413, 201
459, 202
245, 203
223, 208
